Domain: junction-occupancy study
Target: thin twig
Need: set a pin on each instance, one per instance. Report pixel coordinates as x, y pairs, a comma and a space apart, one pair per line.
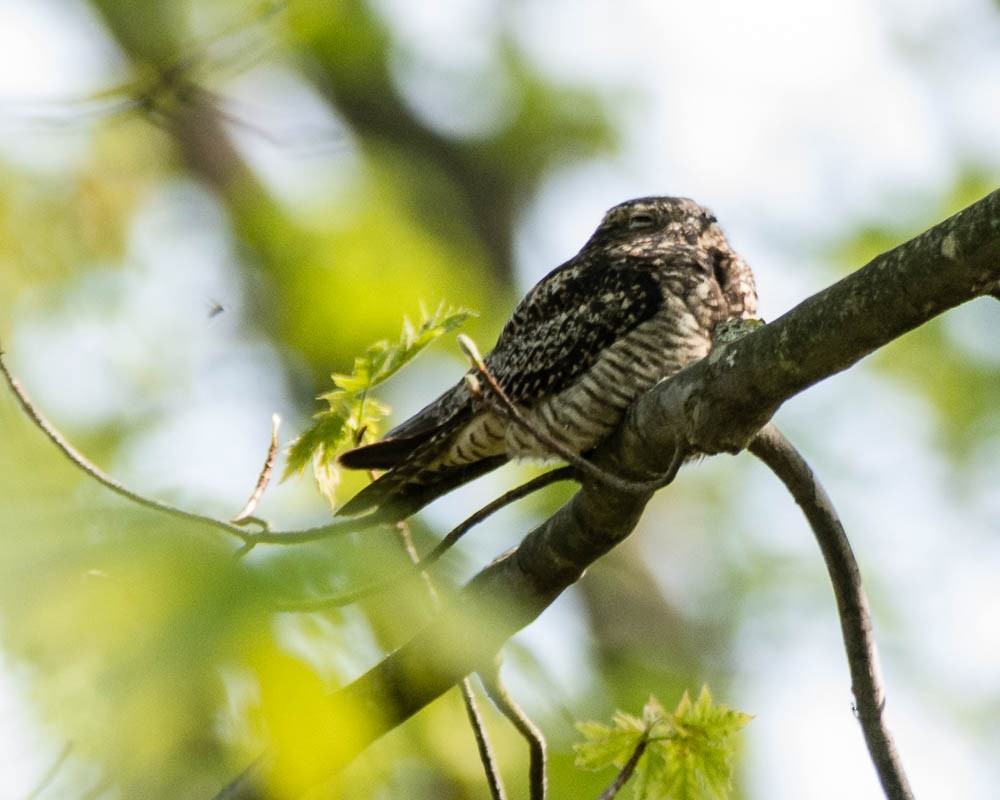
246, 513
508, 497
771, 447
96, 473
337, 528
262, 523
348, 598
249, 538
558, 448
530, 732
626, 772
486, 755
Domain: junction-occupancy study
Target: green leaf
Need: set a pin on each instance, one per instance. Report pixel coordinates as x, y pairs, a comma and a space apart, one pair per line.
353, 415
327, 476
329, 427
391, 359
607, 746
689, 753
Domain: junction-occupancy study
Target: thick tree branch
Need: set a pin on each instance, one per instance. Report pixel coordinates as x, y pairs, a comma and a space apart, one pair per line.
715, 405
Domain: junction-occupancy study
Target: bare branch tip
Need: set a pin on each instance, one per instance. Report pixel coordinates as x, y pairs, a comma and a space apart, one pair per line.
468, 347
473, 385
245, 514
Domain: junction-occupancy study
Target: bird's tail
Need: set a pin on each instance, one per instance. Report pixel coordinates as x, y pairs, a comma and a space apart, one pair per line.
401, 492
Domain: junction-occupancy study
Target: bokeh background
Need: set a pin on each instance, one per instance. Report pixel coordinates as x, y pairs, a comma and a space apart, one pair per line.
208, 207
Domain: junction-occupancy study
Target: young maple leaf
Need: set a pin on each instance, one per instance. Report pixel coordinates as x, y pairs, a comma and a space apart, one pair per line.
684, 755
352, 412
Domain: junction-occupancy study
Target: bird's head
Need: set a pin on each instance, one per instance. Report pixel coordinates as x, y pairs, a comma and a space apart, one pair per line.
652, 228
648, 223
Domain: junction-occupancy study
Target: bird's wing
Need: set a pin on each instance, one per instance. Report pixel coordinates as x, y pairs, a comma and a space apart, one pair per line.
562, 325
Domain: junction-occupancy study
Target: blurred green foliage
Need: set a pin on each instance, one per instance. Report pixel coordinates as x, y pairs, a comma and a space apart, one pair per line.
152, 654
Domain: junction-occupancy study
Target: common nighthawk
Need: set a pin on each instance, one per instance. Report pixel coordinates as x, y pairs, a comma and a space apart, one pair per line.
635, 305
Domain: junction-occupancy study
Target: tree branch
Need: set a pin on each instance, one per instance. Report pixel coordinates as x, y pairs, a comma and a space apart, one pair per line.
496, 690
434, 555
483, 746
79, 460
249, 538
486, 756
626, 772
245, 514
771, 447
716, 405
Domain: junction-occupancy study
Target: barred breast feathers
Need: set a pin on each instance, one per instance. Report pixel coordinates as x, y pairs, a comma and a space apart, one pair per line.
587, 410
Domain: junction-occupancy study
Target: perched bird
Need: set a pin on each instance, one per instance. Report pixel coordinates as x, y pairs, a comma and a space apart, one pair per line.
635, 305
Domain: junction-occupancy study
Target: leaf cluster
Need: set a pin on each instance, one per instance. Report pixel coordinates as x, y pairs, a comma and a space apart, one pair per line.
353, 415
686, 755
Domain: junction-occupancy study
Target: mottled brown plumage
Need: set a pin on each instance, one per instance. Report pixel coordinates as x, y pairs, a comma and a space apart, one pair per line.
635, 305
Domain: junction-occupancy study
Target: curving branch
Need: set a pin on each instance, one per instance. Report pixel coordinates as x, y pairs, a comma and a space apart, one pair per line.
771, 447
89, 468
496, 690
715, 405
234, 528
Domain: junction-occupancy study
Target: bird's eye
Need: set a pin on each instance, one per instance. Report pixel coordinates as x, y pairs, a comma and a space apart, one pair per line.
641, 219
